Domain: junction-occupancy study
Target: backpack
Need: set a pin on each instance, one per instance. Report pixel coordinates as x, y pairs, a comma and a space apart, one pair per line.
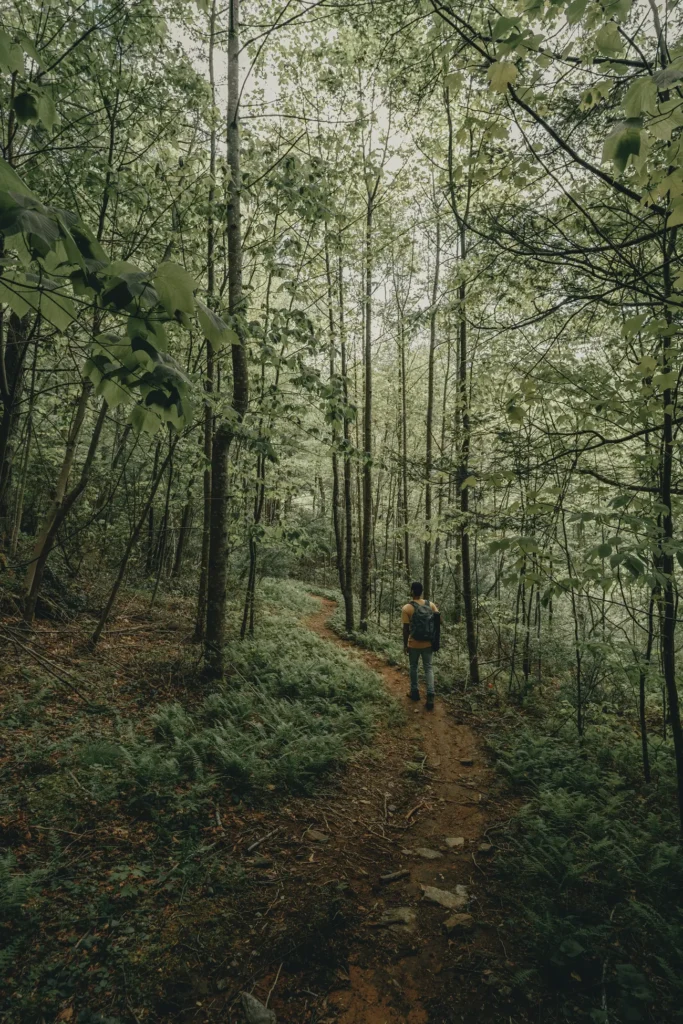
422, 626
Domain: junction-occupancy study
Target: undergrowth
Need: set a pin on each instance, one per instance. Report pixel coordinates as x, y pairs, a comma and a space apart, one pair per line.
593, 861
109, 824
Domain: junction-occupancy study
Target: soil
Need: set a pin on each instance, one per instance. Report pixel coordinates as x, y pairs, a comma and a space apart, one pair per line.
308, 928
413, 973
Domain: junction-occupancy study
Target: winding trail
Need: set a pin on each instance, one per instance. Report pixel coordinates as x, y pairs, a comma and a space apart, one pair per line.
408, 973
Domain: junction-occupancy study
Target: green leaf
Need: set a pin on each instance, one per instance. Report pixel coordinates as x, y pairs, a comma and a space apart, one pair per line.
11, 182
641, 97
501, 75
664, 381
453, 82
676, 214
215, 330
175, 288
11, 55
633, 324
144, 419
667, 77
470, 481
647, 366
604, 550
28, 292
503, 27
608, 40
622, 143
576, 11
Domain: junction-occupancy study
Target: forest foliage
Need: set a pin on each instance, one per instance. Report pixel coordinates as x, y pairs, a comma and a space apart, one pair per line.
354, 294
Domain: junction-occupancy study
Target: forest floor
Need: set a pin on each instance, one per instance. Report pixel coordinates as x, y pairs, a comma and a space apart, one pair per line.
440, 965
154, 915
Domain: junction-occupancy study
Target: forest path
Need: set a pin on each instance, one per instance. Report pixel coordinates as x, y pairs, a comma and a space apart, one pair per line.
409, 974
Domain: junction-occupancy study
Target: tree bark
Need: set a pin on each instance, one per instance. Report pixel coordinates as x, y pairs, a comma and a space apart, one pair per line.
347, 588
429, 452
218, 541
366, 537
200, 624
60, 513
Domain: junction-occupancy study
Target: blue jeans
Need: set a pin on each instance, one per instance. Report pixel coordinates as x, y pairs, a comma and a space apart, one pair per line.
414, 654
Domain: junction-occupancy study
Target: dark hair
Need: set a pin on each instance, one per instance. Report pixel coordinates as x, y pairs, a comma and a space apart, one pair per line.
416, 589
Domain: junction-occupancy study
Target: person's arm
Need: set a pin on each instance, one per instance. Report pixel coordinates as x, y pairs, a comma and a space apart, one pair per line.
406, 636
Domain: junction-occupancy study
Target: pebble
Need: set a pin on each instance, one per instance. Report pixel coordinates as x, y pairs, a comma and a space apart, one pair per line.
453, 842
466, 762
316, 836
485, 847
255, 1011
459, 923
398, 915
450, 900
424, 852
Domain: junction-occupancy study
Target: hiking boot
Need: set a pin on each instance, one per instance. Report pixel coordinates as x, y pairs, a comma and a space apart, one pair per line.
429, 703
414, 694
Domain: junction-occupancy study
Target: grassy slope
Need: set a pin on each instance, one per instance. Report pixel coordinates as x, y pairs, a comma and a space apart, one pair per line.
106, 818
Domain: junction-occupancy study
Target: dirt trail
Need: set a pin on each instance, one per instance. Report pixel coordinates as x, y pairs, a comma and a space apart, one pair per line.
410, 972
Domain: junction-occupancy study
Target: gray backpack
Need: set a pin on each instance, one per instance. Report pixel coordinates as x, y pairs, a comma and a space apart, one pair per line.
422, 622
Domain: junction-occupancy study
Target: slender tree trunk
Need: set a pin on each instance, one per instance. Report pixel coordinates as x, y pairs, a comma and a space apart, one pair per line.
13, 351
463, 488
429, 452
132, 541
23, 477
336, 519
60, 486
218, 545
347, 588
404, 456
60, 513
200, 624
366, 536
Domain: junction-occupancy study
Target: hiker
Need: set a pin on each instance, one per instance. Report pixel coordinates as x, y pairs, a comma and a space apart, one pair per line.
421, 637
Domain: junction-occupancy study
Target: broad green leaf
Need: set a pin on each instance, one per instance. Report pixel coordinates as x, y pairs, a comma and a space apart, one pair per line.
10, 180
470, 481
623, 142
647, 366
676, 215
24, 292
667, 77
215, 330
175, 288
641, 97
11, 55
144, 419
453, 82
501, 75
664, 381
576, 11
608, 40
597, 92
633, 324
503, 27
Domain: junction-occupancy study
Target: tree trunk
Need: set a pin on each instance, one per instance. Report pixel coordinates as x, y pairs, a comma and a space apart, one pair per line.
463, 488
366, 537
200, 624
336, 520
60, 513
348, 504
218, 541
132, 541
12, 360
429, 453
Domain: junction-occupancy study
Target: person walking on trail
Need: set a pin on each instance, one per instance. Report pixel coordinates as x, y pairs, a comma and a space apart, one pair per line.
421, 637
